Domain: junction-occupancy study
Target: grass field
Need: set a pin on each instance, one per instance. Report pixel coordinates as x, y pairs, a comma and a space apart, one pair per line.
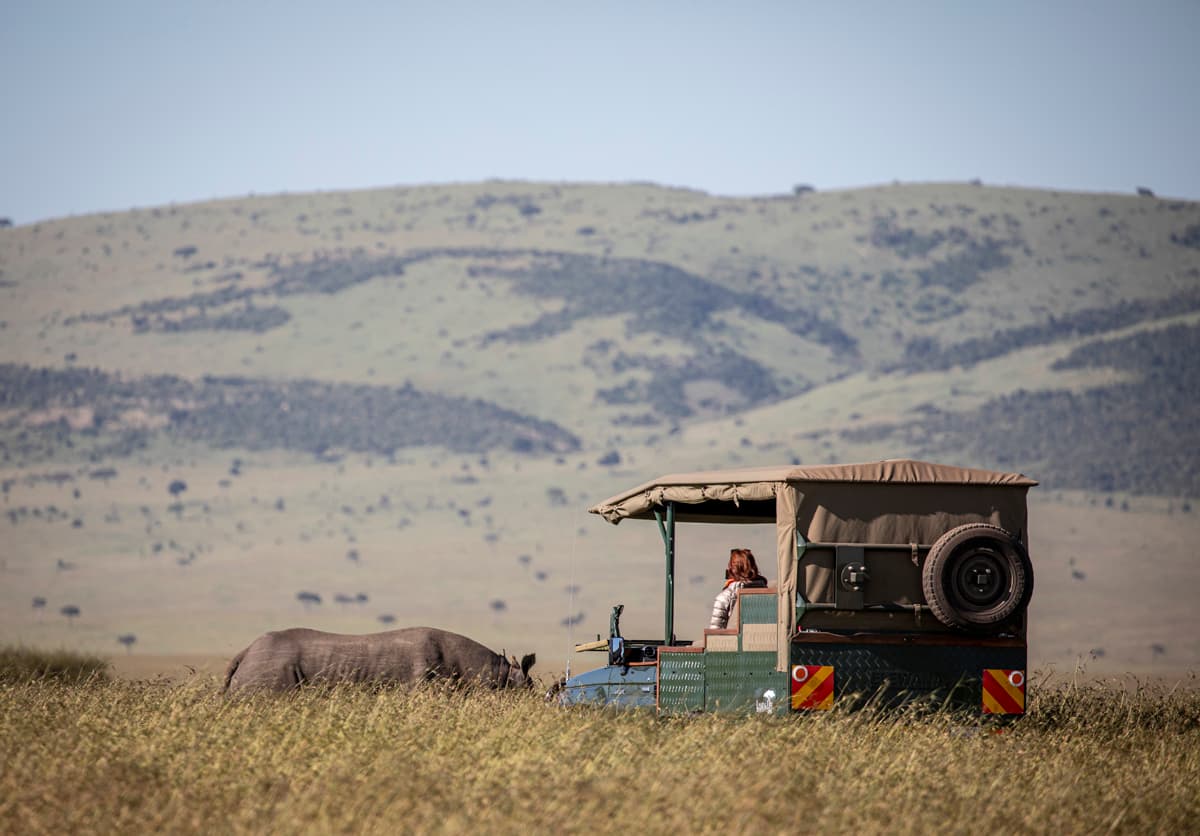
111, 756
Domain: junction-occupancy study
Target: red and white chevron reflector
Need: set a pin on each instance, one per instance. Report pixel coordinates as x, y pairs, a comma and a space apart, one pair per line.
1003, 691
812, 687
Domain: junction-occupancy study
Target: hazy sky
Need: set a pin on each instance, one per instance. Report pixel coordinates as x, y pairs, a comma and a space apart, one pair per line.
111, 105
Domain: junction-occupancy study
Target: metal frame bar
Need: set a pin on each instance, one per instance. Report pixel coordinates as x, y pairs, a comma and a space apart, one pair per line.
803, 605
814, 544
667, 530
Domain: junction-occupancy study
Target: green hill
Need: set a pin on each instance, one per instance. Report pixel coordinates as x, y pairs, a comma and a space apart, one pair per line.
617, 313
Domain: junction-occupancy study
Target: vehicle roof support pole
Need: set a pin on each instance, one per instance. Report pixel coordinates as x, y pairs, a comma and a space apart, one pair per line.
787, 505
667, 530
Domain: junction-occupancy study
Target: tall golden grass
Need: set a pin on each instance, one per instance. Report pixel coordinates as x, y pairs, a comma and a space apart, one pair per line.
19, 664
109, 756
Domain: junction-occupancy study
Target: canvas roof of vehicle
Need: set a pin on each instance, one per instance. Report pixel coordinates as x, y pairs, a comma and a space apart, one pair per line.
747, 494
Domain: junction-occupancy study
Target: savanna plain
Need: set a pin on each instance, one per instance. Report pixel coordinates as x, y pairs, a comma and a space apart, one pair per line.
85, 753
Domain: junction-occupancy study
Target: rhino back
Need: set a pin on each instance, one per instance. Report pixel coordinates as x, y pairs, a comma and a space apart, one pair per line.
272, 661
464, 658
394, 656
287, 658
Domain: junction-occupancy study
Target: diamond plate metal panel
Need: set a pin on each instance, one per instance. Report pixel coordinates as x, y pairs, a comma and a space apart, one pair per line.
896, 674
750, 662
681, 681
758, 609
745, 683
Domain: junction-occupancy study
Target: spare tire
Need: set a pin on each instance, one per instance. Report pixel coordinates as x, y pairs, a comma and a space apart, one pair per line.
976, 577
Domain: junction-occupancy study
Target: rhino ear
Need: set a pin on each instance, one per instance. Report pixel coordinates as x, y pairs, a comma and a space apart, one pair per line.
527, 663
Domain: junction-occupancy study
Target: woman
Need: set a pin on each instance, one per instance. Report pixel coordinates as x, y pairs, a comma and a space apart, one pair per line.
741, 572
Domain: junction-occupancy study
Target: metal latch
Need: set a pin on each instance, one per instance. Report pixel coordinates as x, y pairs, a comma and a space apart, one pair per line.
852, 577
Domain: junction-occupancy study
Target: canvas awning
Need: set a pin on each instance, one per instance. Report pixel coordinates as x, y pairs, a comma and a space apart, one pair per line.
759, 484
890, 501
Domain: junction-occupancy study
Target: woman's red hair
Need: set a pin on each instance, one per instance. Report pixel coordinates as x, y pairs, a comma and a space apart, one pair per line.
742, 566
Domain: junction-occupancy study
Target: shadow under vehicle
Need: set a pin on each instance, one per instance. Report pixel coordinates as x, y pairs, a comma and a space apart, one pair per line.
896, 580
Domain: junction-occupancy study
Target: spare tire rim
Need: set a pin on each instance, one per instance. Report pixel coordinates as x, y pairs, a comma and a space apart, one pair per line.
979, 579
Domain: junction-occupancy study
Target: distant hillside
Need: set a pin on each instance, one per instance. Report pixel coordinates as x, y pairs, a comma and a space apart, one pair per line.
552, 318
1152, 423
110, 417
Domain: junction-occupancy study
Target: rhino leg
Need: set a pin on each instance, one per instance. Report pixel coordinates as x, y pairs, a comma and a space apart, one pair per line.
234, 663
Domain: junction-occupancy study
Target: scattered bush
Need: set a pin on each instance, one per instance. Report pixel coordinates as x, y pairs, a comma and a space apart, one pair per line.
1190, 237
264, 414
926, 354
1140, 437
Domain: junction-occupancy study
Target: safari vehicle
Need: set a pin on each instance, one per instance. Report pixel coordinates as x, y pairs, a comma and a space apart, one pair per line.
896, 580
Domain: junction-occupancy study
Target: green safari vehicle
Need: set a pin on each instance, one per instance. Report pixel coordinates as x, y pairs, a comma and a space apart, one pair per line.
895, 580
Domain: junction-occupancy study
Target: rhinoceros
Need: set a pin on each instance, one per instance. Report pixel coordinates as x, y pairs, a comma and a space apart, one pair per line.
286, 659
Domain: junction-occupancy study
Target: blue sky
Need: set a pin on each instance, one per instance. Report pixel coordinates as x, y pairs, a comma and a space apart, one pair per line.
109, 106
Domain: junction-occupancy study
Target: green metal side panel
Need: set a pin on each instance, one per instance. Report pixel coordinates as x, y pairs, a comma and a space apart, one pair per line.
758, 609
744, 683
680, 682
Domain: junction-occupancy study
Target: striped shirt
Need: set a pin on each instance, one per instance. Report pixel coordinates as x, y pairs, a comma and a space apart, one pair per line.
723, 604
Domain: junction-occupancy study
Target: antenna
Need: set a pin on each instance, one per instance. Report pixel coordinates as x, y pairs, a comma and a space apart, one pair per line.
571, 600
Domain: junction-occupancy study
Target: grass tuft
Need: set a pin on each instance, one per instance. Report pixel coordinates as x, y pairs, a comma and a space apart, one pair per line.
22, 664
